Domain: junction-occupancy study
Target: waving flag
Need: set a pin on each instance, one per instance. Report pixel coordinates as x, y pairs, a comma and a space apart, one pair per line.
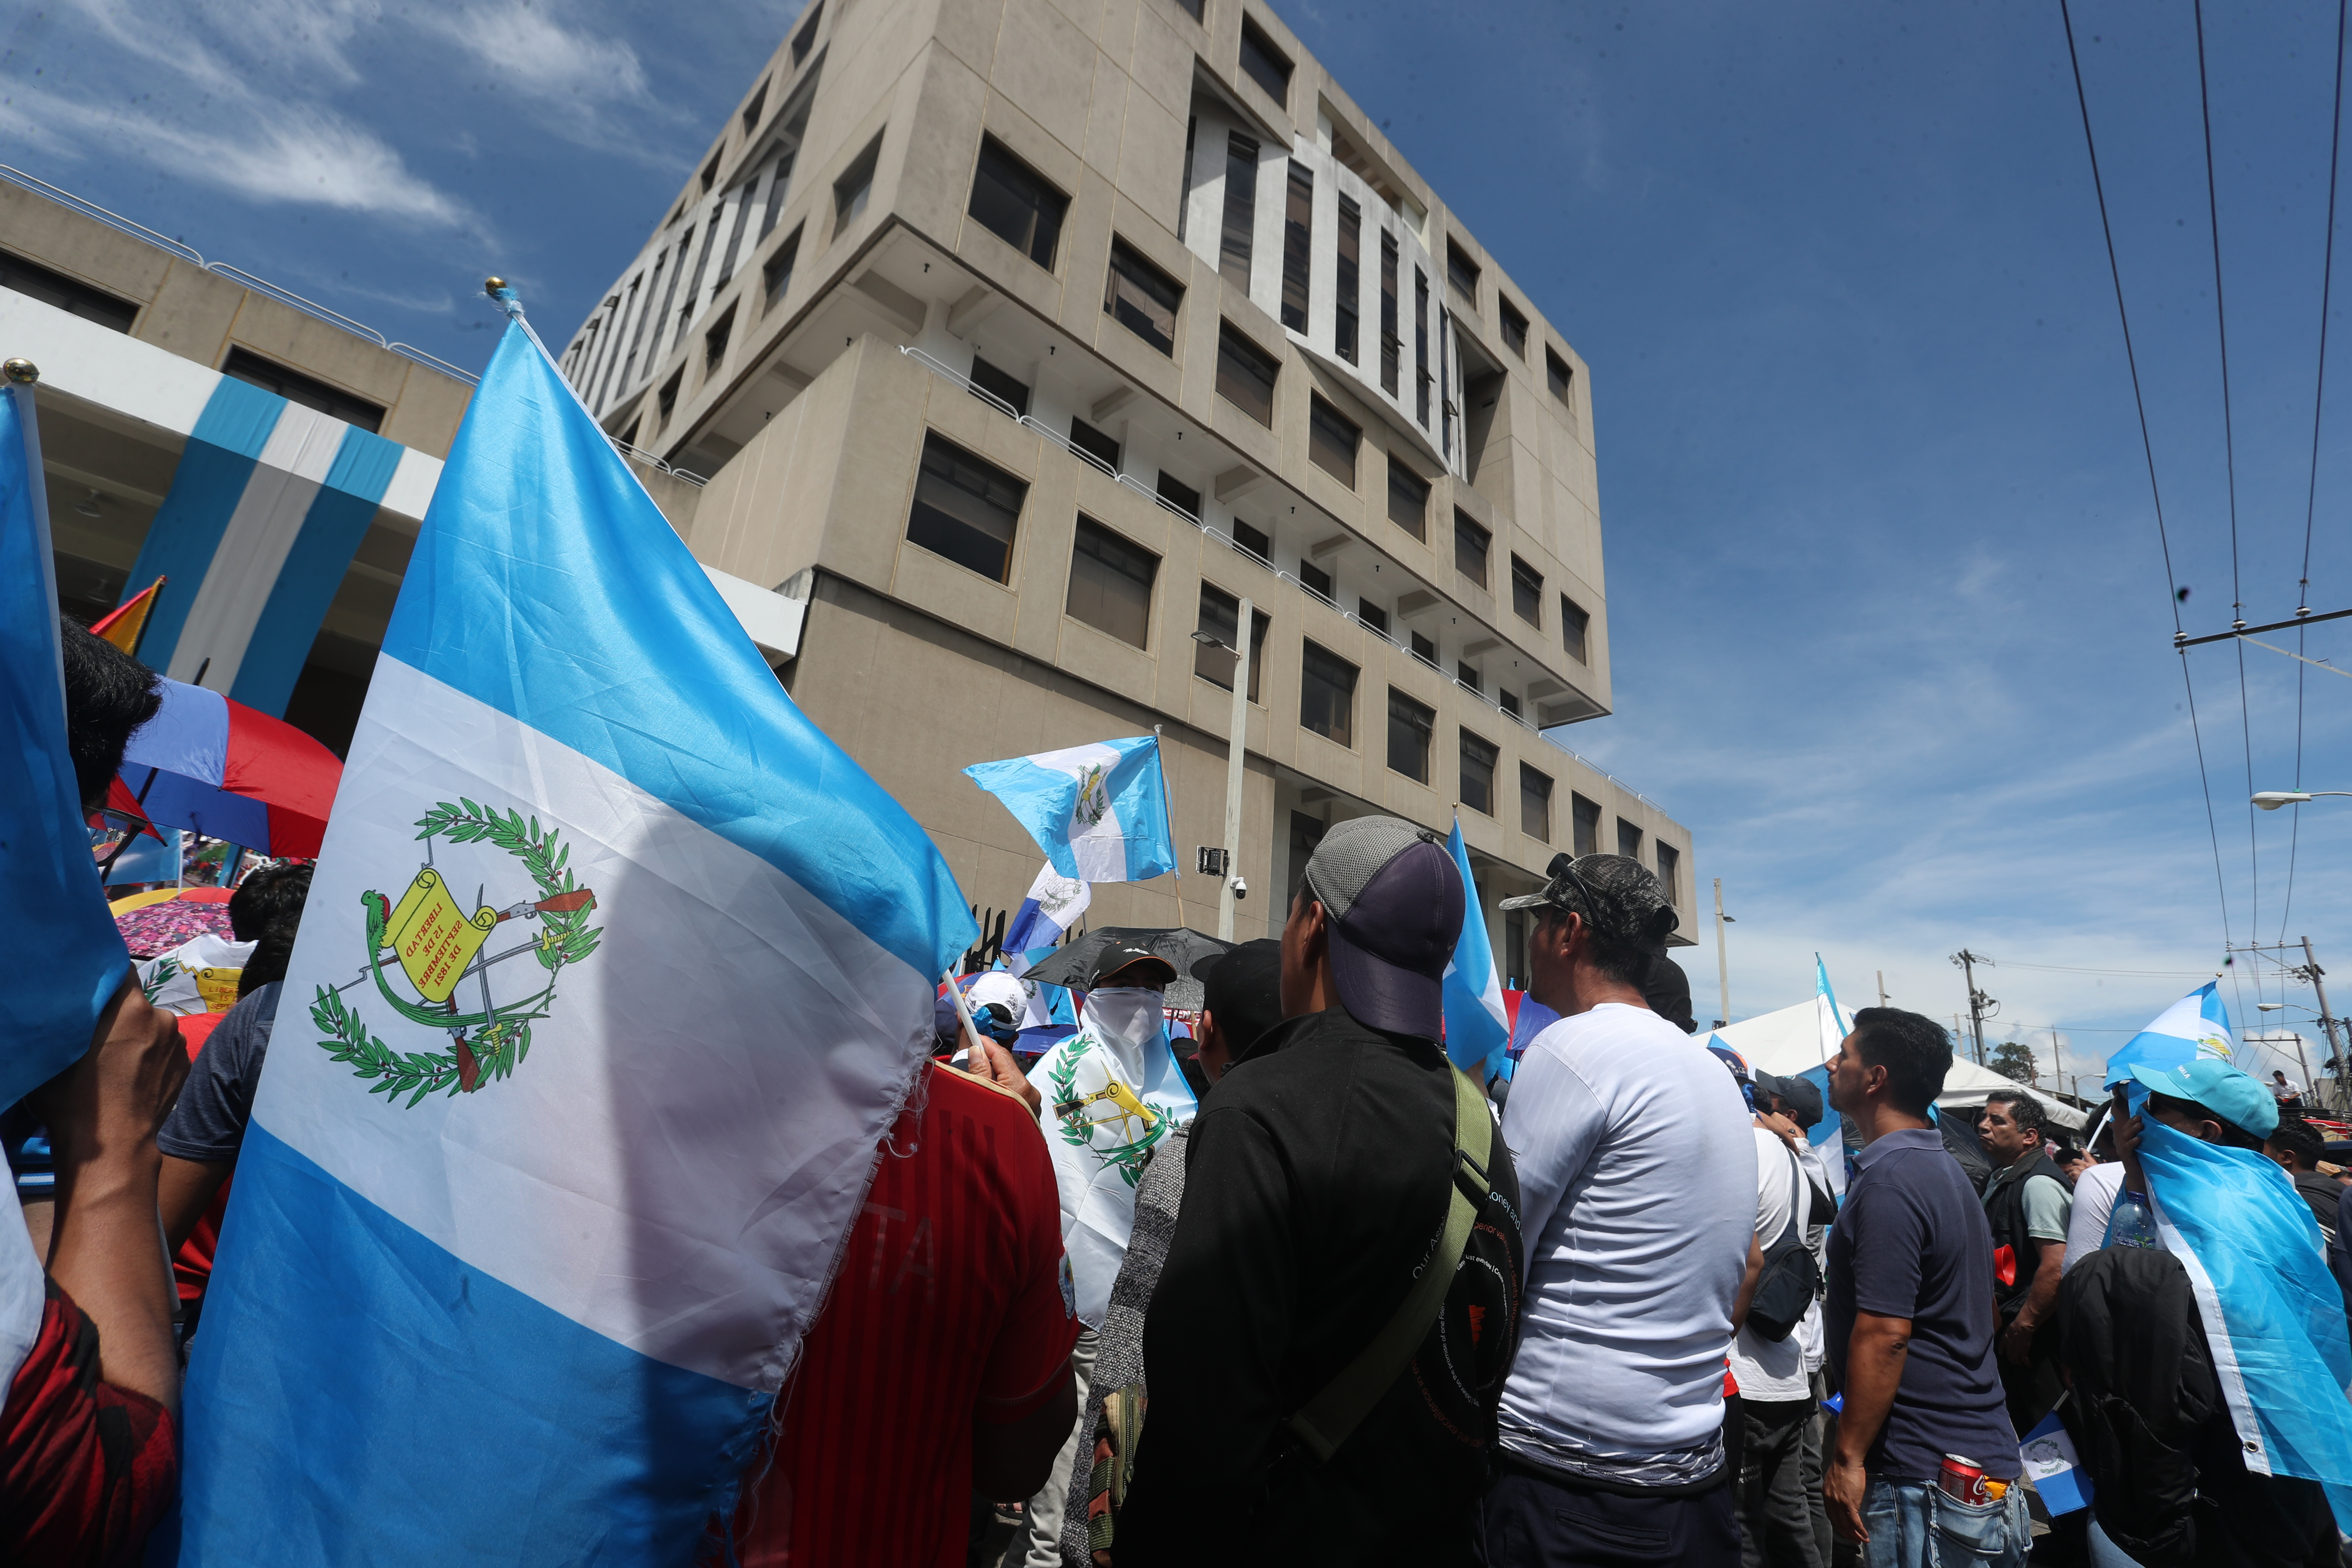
67, 960
1834, 1027
2196, 1025
1477, 1025
469, 1306
1100, 811
1046, 916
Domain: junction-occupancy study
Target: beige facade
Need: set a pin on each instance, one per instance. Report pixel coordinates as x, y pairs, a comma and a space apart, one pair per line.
843, 285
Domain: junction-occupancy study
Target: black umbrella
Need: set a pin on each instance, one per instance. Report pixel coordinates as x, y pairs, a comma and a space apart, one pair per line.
1074, 963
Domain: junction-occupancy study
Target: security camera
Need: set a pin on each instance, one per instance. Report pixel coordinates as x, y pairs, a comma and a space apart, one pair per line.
1241, 890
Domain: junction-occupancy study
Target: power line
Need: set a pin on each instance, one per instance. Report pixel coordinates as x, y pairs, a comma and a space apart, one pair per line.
2148, 446
2080, 969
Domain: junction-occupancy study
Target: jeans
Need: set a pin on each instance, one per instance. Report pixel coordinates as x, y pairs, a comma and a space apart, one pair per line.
1776, 1522
1530, 1520
1913, 1524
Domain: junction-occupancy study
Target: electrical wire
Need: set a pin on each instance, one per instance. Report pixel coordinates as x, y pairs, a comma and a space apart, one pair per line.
2148, 446
2311, 492
2078, 969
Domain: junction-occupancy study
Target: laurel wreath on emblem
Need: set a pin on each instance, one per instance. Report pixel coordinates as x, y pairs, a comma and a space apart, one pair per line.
1093, 796
437, 949
1128, 1159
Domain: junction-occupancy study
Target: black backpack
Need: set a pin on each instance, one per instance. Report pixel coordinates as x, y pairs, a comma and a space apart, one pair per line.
1791, 1278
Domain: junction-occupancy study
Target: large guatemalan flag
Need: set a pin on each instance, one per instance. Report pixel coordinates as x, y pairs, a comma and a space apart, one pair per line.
1099, 812
615, 973
1478, 1026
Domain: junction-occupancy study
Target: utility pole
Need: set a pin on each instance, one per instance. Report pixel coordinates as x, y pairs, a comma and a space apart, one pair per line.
2057, 1060
1882, 988
1980, 1006
1236, 744
1722, 963
2335, 1046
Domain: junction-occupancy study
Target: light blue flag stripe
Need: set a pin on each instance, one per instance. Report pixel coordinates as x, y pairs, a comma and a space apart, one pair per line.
66, 957
573, 631
214, 470
1045, 799
1476, 1026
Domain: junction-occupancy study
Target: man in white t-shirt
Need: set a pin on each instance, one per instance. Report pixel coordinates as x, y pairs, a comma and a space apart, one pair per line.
1776, 1397
1638, 1193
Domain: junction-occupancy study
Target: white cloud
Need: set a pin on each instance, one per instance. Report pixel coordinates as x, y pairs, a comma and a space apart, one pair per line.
527, 44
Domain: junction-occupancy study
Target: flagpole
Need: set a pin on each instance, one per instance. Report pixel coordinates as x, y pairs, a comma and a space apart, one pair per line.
1168, 817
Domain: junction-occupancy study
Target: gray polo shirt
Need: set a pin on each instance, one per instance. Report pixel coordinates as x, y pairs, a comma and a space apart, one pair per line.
208, 1125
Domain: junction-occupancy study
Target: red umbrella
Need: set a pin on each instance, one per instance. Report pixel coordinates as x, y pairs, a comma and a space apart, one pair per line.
228, 770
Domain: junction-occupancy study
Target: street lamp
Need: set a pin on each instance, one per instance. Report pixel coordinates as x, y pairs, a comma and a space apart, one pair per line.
2272, 799
1236, 742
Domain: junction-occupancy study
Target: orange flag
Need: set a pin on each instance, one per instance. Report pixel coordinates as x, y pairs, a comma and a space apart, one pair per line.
125, 625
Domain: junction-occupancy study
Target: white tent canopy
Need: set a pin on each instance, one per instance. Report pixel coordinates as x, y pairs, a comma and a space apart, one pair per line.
1789, 1041
1967, 1085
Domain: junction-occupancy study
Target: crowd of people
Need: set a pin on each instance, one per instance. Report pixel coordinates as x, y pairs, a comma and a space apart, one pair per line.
1636, 1303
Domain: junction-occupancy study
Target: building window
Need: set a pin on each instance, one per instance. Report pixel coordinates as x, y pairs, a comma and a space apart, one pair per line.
1110, 583
1331, 440
1254, 543
1246, 375
1240, 209
1670, 870
1095, 443
1478, 772
1515, 949
1465, 675
1410, 727
1421, 346
1192, 9
757, 107
714, 341
70, 295
1470, 546
637, 337
1461, 272
1315, 580
1265, 64
1515, 328
709, 172
1175, 492
742, 197
1556, 371
1390, 346
311, 393
1349, 286
965, 509
1408, 499
1014, 203
1297, 233
1327, 694
1142, 297
1508, 701
856, 185
1534, 804
1526, 592
1572, 623
1586, 814
1220, 616
1424, 649
701, 269
805, 39
1000, 386
780, 185
777, 276
1629, 840
1372, 615
665, 401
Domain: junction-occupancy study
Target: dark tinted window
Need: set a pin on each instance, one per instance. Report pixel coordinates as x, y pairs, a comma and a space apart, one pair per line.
1515, 328
1470, 545
1478, 772
1461, 271
1142, 297
1095, 445
1246, 375
1001, 385
1534, 804
1350, 284
1468, 677
777, 274
1670, 871
1297, 235
714, 341
1331, 440
1588, 825
1014, 203
1526, 592
1372, 615
1573, 620
1629, 840
1410, 726
1421, 372
332, 401
1556, 370
1221, 614
1180, 495
1327, 694
1315, 579
1240, 210
753, 109
1391, 346
805, 39
1251, 540
1264, 65
1408, 499
1110, 583
965, 509
1424, 648
71, 295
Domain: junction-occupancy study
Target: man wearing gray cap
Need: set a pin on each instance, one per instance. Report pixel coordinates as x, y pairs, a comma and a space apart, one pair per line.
1321, 1181
1638, 1186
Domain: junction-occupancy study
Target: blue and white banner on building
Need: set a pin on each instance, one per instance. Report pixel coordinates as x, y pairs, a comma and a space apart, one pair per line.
471, 1305
2196, 1025
1099, 812
1478, 1026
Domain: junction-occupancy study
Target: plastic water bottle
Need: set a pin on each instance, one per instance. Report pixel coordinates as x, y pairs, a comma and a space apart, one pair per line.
2130, 1224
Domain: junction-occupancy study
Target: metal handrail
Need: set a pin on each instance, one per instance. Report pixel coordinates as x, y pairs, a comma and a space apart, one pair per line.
284, 296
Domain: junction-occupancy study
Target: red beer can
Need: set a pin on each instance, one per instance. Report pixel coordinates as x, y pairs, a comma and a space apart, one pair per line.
1963, 1481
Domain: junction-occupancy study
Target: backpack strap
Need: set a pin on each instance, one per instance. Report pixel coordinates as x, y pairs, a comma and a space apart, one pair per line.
1325, 1420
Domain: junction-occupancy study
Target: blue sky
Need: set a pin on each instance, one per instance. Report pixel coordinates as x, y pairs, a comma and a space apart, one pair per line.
1890, 621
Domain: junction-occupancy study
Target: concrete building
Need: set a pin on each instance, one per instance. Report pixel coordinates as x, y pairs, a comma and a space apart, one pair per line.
992, 353
1020, 339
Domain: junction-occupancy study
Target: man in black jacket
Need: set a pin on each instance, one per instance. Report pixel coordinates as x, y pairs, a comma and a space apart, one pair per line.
2027, 1205
1318, 1176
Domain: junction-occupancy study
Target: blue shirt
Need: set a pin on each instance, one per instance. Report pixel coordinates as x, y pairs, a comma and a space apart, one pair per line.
1912, 1242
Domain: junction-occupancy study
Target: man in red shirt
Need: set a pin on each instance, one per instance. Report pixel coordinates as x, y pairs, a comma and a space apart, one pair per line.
941, 1362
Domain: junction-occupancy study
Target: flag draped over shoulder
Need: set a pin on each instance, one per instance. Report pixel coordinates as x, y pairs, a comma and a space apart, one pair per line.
67, 957
613, 976
1477, 1025
1099, 812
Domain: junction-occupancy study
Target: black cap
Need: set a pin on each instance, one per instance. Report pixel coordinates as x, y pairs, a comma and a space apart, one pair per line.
1116, 956
1243, 991
1803, 1095
1395, 903
1618, 896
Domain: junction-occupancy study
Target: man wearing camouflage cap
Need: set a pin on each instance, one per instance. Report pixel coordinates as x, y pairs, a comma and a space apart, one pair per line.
1637, 1181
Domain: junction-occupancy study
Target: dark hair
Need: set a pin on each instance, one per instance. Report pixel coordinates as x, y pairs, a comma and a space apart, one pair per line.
1666, 989
271, 894
2232, 1135
109, 694
272, 950
2300, 1140
1915, 1051
1242, 988
1618, 961
2024, 1110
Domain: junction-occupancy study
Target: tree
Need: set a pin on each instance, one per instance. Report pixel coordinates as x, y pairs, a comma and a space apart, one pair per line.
2013, 1058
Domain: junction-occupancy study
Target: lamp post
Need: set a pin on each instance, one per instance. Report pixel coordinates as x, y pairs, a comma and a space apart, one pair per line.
2272, 799
1722, 963
1236, 742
